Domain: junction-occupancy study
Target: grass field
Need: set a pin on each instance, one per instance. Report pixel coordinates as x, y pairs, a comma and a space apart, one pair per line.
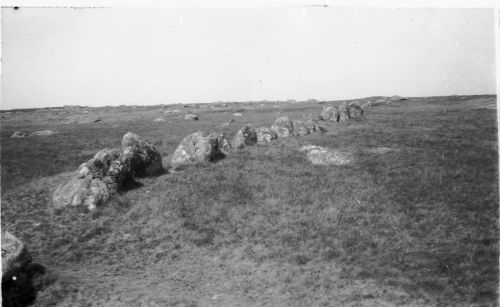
416, 225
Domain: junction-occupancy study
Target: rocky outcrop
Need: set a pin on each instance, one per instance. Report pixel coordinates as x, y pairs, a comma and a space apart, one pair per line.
355, 111
301, 128
18, 134
283, 127
265, 135
318, 155
17, 272
344, 111
246, 136
198, 147
107, 172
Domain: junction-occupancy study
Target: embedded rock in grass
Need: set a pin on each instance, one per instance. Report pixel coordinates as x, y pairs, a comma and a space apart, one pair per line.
17, 272
159, 119
318, 155
283, 126
265, 135
330, 113
42, 133
18, 134
237, 114
246, 136
145, 159
191, 116
196, 148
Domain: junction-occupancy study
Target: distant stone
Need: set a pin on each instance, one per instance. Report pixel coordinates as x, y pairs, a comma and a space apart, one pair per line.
330, 113
18, 272
246, 136
382, 150
97, 120
191, 116
42, 133
318, 155
237, 114
18, 134
159, 119
196, 148
176, 111
265, 135
367, 105
283, 126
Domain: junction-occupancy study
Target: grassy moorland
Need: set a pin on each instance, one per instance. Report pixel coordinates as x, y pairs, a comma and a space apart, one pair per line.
417, 225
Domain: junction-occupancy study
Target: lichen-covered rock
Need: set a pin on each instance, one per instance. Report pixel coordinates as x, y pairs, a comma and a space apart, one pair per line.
18, 134
246, 136
330, 113
145, 159
301, 128
196, 148
265, 135
17, 272
318, 155
283, 126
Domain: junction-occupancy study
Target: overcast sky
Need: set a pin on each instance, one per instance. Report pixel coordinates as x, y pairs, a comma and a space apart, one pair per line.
114, 56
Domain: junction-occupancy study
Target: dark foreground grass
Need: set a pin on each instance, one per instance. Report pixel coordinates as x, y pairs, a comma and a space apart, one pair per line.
414, 226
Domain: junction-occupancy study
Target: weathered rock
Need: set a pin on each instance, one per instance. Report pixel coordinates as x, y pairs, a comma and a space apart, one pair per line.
330, 113
265, 135
283, 126
318, 155
18, 134
223, 144
355, 111
145, 159
367, 105
17, 272
246, 136
191, 116
196, 148
344, 111
42, 133
301, 128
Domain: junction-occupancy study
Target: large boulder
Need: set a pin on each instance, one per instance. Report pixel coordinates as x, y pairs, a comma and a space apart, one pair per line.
145, 159
195, 148
223, 144
108, 171
283, 126
265, 135
246, 136
18, 134
17, 272
330, 113
318, 155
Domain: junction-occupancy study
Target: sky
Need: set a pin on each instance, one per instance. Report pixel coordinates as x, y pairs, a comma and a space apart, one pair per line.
148, 56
